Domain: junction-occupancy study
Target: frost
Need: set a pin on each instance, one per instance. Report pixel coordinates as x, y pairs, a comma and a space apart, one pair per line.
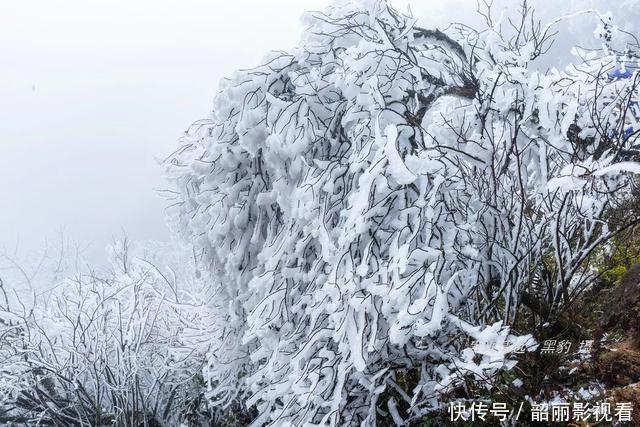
397, 168
379, 200
632, 167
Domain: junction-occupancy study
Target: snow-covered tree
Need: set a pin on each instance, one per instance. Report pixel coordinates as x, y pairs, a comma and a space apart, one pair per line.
374, 205
369, 217
125, 347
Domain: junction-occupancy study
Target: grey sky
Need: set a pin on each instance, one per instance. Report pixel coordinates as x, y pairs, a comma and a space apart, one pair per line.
92, 92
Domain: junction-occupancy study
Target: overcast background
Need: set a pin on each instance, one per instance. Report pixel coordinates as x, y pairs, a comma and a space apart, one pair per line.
92, 93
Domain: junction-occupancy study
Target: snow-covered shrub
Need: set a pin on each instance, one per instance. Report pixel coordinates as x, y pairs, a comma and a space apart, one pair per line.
379, 199
124, 347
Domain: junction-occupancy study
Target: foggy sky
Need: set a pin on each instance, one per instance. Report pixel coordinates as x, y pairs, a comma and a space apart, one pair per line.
92, 92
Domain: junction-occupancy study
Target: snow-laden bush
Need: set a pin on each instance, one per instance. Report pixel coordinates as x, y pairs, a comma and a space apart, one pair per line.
378, 200
124, 347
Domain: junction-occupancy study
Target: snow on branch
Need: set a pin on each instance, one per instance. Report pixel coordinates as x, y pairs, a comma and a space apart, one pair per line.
380, 199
